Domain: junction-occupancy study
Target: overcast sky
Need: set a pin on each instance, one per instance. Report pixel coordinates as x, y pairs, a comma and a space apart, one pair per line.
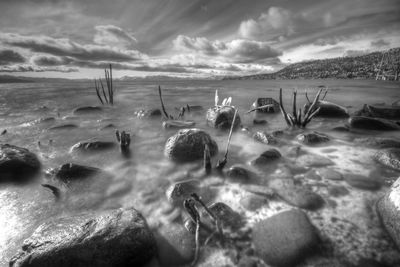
199, 38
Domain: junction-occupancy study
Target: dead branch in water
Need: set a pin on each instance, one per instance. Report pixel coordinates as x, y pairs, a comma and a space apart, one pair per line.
162, 105
207, 159
258, 108
110, 88
221, 163
297, 118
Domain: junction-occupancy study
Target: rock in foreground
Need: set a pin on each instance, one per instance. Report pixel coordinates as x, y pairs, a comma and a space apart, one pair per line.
188, 145
17, 163
388, 209
285, 239
367, 123
222, 118
389, 158
112, 238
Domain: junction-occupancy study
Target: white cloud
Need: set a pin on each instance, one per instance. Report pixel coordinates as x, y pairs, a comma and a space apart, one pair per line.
114, 36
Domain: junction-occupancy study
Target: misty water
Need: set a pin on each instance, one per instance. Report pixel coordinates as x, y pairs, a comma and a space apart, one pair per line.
141, 180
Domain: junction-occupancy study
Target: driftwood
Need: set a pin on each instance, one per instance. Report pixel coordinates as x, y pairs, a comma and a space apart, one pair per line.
110, 89
300, 118
221, 163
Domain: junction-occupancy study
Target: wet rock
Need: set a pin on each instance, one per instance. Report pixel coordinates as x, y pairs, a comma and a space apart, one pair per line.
259, 190
109, 126
362, 182
329, 174
259, 122
267, 157
378, 142
341, 129
312, 175
313, 138
91, 146
262, 101
238, 173
296, 195
70, 172
87, 110
178, 192
149, 113
176, 246
226, 215
338, 191
379, 111
330, 110
253, 202
222, 118
265, 138
4, 132
176, 124
388, 208
313, 160
188, 145
63, 127
389, 157
110, 238
17, 163
285, 239
377, 124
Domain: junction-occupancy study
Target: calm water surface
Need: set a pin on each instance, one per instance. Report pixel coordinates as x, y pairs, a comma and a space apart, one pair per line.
141, 181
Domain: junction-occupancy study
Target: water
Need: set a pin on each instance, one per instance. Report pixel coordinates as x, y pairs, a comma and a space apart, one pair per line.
141, 181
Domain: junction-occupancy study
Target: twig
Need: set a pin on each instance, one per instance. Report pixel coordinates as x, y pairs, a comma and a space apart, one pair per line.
162, 104
97, 92
221, 164
207, 159
261, 107
104, 93
285, 116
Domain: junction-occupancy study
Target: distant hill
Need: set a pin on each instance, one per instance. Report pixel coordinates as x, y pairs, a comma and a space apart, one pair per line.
358, 67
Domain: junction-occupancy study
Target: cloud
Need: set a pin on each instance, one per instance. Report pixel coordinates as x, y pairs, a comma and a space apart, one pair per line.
380, 43
239, 50
32, 68
114, 36
10, 56
66, 47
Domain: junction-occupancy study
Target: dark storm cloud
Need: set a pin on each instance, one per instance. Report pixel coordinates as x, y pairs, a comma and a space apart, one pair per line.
10, 56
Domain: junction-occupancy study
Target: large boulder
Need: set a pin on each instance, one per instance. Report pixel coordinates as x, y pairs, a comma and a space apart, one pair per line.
111, 238
188, 145
222, 117
388, 208
262, 101
17, 163
384, 111
330, 110
389, 157
285, 239
367, 123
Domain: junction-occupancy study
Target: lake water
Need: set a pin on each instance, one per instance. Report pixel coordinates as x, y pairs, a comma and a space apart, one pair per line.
142, 180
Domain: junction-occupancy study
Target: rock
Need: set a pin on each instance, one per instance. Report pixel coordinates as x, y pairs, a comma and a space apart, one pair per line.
150, 113
262, 101
176, 246
110, 238
337, 191
176, 124
388, 208
265, 138
329, 174
296, 195
70, 172
87, 110
344, 128
378, 142
63, 127
221, 118
253, 202
330, 110
285, 239
313, 138
267, 157
91, 146
259, 190
312, 175
259, 122
376, 124
389, 157
17, 163
178, 192
313, 160
228, 217
362, 182
383, 111
239, 173
188, 145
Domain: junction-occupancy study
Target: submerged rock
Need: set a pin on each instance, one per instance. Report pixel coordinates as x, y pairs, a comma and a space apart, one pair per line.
388, 208
221, 118
177, 124
362, 182
17, 163
87, 110
149, 113
70, 172
63, 127
110, 238
380, 111
188, 145
253, 202
377, 124
329, 174
178, 192
313, 160
239, 173
267, 157
259, 122
262, 101
330, 110
389, 157
285, 239
226, 215
378, 142
91, 146
265, 138
313, 138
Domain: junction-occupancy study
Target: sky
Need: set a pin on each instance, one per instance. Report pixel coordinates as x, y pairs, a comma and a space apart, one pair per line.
187, 38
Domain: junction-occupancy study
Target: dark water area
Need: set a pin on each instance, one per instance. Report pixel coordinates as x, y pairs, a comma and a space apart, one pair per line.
141, 180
